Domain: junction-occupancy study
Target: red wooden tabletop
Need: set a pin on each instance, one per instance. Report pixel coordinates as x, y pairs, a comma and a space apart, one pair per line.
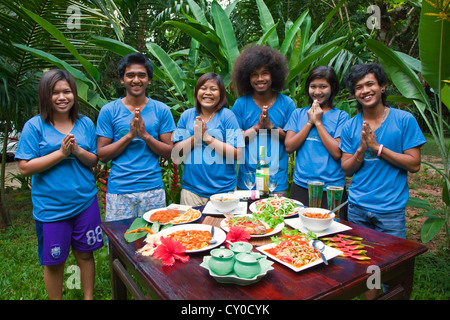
342, 278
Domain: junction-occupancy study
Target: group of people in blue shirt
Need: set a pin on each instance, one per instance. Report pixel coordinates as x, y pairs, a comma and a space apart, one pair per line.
58, 148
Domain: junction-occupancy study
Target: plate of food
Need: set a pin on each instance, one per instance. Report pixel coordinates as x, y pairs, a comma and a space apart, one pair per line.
173, 216
255, 227
295, 252
280, 206
194, 237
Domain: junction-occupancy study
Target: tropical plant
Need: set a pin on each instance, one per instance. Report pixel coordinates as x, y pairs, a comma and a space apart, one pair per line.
434, 47
23, 25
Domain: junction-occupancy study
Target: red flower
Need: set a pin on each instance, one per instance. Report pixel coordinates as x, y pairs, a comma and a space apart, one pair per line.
237, 234
169, 250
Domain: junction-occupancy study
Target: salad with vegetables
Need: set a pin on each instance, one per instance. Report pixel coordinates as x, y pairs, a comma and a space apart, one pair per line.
293, 248
279, 206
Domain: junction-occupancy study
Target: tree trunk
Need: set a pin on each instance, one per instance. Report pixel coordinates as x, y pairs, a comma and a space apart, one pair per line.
3, 208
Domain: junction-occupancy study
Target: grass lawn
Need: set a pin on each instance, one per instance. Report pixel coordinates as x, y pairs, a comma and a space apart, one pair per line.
21, 275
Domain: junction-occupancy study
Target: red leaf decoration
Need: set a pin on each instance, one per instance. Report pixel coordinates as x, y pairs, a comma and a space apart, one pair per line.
169, 250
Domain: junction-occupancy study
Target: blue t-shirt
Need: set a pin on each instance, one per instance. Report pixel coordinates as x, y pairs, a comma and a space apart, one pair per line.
205, 172
378, 185
137, 168
313, 161
68, 188
247, 114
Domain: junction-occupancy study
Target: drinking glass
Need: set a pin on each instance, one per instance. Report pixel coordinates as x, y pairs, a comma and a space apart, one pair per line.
315, 189
334, 197
271, 182
249, 180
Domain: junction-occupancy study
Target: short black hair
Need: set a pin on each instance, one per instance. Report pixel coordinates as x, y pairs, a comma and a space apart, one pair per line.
327, 73
254, 57
357, 72
135, 58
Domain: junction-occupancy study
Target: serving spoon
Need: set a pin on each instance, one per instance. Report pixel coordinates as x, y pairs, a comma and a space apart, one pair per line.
338, 207
320, 246
212, 241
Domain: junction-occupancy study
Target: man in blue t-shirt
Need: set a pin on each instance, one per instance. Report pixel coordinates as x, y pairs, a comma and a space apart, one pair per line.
380, 145
134, 132
259, 74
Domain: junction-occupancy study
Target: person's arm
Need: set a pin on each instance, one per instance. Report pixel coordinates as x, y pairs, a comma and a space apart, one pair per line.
331, 144
37, 165
222, 148
350, 163
294, 140
87, 158
162, 147
106, 150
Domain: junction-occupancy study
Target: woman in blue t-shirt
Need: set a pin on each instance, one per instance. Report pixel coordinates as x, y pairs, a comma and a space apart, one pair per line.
314, 133
209, 141
58, 148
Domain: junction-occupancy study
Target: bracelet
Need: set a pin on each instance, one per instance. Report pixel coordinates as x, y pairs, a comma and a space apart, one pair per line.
380, 148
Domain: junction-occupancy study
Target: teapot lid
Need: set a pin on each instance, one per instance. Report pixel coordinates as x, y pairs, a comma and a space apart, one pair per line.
246, 257
240, 246
222, 252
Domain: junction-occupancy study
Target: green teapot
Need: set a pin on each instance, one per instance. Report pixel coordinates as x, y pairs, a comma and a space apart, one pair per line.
221, 261
247, 264
240, 246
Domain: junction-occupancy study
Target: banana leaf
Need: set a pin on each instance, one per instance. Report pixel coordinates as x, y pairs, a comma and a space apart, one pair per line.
89, 67
225, 32
434, 51
291, 34
266, 21
173, 71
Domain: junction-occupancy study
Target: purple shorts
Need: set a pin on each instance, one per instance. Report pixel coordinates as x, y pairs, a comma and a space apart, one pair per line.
82, 233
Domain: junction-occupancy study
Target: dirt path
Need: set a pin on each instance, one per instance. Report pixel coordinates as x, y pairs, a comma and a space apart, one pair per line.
11, 168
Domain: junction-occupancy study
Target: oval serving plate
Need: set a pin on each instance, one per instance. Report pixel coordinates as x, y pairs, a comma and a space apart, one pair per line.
278, 228
219, 234
146, 216
295, 212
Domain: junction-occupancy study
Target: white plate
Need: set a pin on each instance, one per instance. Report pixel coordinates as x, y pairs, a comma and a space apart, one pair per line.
278, 228
219, 234
298, 203
148, 214
329, 254
335, 227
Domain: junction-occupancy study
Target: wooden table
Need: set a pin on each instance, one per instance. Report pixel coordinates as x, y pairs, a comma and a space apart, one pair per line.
343, 278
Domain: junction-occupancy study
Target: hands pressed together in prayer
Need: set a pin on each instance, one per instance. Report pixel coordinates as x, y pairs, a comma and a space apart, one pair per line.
70, 146
137, 125
368, 139
201, 131
315, 113
264, 120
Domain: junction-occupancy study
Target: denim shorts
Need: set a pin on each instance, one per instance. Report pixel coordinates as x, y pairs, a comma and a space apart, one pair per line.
393, 223
133, 205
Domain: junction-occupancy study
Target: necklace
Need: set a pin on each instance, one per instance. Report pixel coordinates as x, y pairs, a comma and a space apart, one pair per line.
271, 103
212, 115
384, 115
